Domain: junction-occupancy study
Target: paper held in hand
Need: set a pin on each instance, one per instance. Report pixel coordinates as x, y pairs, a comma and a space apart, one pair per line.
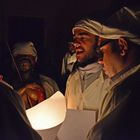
52, 121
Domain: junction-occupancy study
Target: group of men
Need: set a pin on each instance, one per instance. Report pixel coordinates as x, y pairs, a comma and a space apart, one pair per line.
111, 86
106, 79
28, 89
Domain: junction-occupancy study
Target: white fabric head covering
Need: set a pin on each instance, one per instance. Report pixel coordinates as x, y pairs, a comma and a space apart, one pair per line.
26, 48
124, 23
88, 25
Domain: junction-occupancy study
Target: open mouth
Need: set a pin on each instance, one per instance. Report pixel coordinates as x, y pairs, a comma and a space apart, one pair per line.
79, 51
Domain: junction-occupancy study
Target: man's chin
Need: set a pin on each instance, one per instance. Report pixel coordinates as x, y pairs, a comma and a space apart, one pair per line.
85, 63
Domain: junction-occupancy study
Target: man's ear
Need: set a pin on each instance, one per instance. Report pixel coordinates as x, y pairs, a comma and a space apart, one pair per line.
123, 46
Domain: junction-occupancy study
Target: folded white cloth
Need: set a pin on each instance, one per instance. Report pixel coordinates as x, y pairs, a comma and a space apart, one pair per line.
26, 48
124, 23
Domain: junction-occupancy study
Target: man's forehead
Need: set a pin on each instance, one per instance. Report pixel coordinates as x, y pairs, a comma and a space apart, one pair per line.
81, 32
25, 56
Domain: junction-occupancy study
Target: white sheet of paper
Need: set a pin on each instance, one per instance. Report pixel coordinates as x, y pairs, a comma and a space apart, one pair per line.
49, 134
53, 122
48, 113
76, 125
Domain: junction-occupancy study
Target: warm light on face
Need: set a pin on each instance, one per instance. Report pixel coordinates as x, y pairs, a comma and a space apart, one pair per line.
100, 45
48, 113
84, 43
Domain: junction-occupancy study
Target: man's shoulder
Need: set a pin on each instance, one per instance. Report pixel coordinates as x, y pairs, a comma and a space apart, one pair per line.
48, 82
132, 80
46, 78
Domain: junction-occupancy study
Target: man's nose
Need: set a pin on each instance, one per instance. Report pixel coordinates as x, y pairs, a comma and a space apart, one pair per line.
76, 44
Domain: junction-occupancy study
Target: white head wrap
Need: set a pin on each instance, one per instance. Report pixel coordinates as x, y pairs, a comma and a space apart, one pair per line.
88, 25
124, 23
26, 48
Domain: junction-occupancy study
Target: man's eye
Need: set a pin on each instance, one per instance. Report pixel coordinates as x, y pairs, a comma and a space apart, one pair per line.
79, 39
83, 38
105, 42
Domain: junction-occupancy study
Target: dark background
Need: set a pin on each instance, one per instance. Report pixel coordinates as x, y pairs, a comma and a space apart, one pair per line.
48, 24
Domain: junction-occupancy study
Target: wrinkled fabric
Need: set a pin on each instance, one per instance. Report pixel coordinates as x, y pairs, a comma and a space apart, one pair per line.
49, 85
107, 107
26, 48
88, 25
36, 90
120, 115
84, 93
124, 23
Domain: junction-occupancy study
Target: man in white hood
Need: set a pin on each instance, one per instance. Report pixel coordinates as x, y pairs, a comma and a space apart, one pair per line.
119, 44
83, 88
32, 86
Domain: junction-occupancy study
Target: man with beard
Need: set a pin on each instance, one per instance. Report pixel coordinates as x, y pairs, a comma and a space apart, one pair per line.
119, 44
32, 87
14, 124
85, 83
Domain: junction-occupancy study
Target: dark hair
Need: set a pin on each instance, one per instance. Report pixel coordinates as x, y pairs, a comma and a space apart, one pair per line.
136, 49
115, 45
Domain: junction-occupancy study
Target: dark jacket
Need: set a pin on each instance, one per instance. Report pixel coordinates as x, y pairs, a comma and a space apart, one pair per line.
123, 123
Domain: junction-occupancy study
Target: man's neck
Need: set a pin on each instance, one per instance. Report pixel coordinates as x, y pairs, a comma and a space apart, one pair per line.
84, 64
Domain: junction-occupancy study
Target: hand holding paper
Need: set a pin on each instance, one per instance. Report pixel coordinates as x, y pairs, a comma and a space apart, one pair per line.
48, 113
